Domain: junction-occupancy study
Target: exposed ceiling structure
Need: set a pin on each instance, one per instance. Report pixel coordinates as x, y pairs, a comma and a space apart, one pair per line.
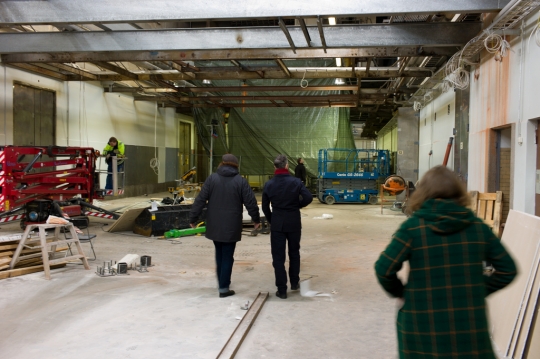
377, 53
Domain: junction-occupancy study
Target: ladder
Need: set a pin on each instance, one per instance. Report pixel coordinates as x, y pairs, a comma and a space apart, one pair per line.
46, 254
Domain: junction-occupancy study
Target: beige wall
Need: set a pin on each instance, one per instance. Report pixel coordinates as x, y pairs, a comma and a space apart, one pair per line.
88, 116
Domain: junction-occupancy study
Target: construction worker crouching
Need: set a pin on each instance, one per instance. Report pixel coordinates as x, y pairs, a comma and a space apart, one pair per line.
113, 148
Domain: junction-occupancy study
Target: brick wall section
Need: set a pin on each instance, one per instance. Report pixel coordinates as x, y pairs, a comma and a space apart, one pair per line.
504, 181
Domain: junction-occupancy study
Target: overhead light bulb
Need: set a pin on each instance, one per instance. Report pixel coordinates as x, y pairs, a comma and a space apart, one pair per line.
332, 20
340, 81
206, 82
338, 61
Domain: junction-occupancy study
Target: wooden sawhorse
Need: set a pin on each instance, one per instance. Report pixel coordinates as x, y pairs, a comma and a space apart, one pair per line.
44, 245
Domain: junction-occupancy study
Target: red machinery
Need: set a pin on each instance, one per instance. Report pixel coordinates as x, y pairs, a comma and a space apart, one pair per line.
47, 179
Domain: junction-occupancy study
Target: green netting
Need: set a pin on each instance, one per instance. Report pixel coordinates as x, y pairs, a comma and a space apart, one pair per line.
257, 135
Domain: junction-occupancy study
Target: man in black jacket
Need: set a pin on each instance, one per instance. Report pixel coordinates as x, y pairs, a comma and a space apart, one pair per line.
287, 195
300, 171
225, 192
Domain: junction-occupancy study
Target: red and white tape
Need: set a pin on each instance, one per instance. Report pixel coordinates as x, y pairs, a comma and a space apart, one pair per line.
100, 215
110, 192
11, 218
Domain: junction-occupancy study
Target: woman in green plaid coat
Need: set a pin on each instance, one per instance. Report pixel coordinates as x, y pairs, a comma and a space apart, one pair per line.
444, 311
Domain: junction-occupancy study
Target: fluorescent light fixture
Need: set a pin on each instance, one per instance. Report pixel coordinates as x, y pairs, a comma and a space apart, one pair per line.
338, 61
206, 82
456, 17
340, 81
332, 20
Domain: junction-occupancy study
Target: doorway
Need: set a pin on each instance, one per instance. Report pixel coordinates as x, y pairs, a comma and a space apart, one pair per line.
34, 116
184, 148
500, 167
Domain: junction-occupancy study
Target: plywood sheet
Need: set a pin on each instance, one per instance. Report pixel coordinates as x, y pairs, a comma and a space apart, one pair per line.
533, 351
521, 238
126, 220
527, 324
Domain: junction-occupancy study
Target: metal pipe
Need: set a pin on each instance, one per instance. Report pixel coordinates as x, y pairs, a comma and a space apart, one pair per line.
447, 154
29, 167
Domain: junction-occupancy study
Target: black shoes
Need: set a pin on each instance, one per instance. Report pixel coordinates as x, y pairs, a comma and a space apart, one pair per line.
281, 295
229, 293
295, 286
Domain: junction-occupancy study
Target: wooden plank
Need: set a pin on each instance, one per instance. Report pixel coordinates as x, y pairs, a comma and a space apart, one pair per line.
487, 196
9, 246
497, 213
24, 251
4, 261
29, 263
521, 238
532, 349
17, 272
474, 201
233, 344
489, 210
526, 325
482, 210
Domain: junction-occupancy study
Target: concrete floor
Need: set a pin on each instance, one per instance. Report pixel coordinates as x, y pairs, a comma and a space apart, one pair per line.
173, 311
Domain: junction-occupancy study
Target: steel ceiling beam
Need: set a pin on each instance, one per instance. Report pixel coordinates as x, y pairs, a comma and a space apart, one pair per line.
133, 11
345, 36
333, 98
41, 71
295, 73
239, 54
178, 67
288, 104
283, 67
247, 89
123, 72
141, 89
75, 71
321, 33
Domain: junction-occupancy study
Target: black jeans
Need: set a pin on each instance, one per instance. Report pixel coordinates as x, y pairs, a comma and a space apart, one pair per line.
278, 241
224, 264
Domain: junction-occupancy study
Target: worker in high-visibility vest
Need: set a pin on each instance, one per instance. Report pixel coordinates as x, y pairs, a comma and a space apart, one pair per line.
113, 148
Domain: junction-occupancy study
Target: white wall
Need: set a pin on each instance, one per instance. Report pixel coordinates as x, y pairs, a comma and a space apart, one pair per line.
434, 133
504, 93
88, 116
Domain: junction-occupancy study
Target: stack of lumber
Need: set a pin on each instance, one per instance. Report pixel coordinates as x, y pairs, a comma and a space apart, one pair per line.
24, 266
514, 324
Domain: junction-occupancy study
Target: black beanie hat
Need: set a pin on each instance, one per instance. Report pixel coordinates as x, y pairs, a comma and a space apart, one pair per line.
230, 160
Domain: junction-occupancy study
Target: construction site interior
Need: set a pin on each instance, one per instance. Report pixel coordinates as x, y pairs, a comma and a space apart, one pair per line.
113, 115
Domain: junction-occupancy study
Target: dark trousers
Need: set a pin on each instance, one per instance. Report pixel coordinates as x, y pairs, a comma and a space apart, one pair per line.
109, 182
224, 264
278, 242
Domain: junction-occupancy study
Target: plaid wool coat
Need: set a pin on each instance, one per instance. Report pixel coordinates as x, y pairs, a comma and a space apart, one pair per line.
444, 311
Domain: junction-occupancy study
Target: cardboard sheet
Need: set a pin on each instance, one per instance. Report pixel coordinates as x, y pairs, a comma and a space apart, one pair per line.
126, 220
506, 308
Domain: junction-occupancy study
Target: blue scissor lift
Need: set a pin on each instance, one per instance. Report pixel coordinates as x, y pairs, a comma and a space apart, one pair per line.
351, 176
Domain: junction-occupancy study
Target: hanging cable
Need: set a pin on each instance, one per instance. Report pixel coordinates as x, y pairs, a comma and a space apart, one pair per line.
304, 81
496, 44
154, 162
534, 33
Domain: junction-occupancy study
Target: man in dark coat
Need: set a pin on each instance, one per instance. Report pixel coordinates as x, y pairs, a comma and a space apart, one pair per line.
300, 171
287, 195
225, 192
